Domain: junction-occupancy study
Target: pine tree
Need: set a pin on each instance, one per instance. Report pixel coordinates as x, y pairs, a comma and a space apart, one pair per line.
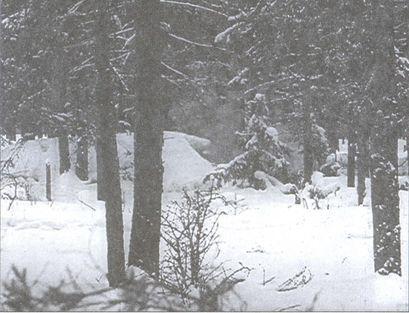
384, 163
262, 151
108, 149
148, 141
351, 146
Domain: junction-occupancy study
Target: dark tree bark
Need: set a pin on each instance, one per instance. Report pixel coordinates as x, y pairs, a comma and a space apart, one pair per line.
11, 133
64, 153
101, 184
363, 158
148, 141
308, 155
108, 147
407, 148
59, 90
385, 198
384, 144
363, 165
48, 181
351, 149
333, 139
81, 168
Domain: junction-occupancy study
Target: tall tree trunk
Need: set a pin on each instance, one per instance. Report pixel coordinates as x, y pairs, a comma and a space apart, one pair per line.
58, 97
385, 198
407, 148
10, 129
333, 139
81, 168
48, 181
308, 156
101, 183
351, 149
363, 158
108, 148
407, 152
11, 134
64, 152
363, 164
384, 144
148, 141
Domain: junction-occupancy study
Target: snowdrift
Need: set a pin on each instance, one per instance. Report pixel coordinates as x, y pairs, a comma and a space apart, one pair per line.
184, 167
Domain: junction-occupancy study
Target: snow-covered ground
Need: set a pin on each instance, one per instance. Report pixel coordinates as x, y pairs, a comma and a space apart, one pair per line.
268, 234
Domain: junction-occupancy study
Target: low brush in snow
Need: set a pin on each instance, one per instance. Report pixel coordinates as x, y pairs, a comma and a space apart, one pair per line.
299, 280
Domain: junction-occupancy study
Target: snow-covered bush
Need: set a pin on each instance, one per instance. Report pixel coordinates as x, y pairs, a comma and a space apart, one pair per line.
330, 169
263, 151
341, 157
189, 229
318, 190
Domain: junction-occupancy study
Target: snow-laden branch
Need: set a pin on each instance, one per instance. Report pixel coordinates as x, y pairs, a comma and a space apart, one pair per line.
117, 74
83, 65
75, 7
175, 71
190, 41
203, 45
195, 6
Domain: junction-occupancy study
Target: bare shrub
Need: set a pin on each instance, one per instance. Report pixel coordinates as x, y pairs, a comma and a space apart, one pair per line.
298, 280
13, 185
190, 231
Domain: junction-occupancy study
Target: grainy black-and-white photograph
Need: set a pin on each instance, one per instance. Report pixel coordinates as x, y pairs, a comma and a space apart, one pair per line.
204, 155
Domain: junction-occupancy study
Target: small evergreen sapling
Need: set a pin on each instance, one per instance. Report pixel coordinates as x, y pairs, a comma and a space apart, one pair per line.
263, 151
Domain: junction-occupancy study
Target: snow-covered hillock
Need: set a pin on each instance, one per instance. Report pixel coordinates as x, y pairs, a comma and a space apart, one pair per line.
183, 165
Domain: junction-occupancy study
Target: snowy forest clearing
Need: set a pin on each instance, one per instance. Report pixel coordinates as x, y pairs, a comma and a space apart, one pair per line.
296, 200
267, 233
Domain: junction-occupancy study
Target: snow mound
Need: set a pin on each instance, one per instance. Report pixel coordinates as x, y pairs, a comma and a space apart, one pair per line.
184, 167
197, 143
32, 156
273, 183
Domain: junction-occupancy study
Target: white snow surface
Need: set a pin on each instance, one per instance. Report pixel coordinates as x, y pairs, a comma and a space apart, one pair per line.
268, 233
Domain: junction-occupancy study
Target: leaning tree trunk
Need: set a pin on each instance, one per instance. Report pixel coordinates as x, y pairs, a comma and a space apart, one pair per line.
308, 155
64, 152
148, 141
108, 148
384, 144
81, 168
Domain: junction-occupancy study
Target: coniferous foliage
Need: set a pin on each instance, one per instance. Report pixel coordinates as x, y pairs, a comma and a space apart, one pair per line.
263, 151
